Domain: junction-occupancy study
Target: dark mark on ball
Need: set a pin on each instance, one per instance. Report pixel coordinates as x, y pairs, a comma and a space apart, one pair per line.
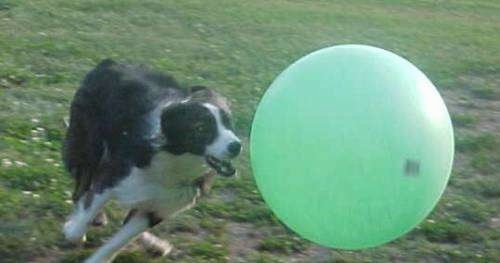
412, 167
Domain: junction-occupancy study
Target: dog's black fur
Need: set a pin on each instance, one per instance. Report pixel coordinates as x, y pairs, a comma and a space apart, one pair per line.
109, 110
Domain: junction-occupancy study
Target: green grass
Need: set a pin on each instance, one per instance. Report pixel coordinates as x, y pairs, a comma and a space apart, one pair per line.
239, 47
463, 120
450, 232
477, 142
282, 244
208, 251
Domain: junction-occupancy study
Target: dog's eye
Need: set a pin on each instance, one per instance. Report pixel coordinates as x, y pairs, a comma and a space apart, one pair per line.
200, 128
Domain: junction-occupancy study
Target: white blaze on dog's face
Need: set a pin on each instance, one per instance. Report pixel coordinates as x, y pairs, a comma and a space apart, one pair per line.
226, 144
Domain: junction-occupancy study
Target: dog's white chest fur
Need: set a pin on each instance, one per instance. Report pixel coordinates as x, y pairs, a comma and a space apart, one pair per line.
166, 185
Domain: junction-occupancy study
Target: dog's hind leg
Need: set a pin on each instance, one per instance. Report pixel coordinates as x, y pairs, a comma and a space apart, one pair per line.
135, 223
86, 209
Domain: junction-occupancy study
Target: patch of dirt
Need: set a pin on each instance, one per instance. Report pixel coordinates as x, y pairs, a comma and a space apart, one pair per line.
314, 253
486, 112
242, 240
226, 195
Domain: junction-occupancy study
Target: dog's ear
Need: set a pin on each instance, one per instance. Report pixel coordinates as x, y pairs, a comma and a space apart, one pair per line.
197, 88
204, 94
201, 94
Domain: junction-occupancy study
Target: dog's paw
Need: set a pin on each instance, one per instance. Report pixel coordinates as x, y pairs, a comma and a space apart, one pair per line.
74, 232
155, 245
166, 249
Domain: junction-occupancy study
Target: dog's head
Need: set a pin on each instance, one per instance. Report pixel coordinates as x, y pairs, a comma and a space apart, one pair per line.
202, 125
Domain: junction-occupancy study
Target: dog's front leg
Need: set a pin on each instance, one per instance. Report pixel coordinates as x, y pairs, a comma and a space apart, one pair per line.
85, 211
136, 223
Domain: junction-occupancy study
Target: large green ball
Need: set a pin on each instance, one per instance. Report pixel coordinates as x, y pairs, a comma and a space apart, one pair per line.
351, 146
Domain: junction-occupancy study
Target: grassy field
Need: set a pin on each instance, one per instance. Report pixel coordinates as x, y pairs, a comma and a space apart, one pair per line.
238, 47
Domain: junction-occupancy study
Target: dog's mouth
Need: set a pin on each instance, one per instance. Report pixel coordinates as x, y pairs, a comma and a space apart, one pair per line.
222, 167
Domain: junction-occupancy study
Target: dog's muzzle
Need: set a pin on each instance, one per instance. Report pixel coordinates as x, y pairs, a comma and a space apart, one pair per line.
222, 167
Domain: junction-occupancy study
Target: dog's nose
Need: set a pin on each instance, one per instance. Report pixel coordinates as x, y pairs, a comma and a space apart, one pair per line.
234, 148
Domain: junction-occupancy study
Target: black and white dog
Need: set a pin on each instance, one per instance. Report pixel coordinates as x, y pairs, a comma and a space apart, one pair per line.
136, 135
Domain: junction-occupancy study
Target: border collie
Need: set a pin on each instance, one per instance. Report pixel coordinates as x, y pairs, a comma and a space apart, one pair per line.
137, 136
